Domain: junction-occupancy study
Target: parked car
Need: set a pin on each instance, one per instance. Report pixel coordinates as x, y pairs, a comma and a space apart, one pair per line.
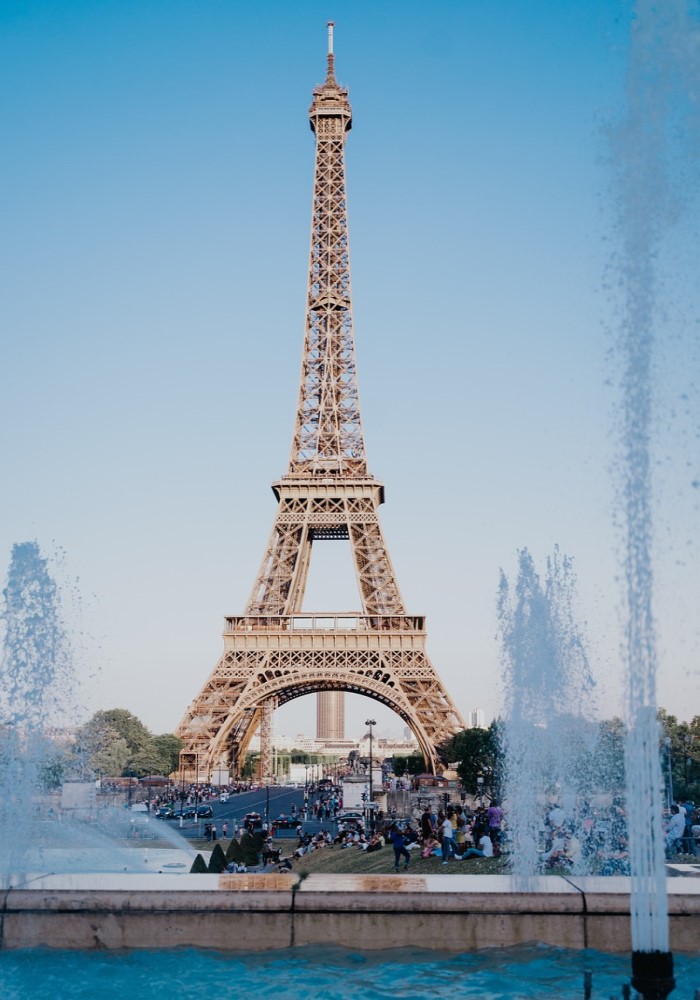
204, 812
165, 812
351, 818
284, 822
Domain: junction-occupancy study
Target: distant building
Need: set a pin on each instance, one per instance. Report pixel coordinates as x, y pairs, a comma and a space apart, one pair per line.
477, 719
330, 715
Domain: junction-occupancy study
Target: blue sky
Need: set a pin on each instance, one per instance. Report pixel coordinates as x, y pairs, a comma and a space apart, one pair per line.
156, 195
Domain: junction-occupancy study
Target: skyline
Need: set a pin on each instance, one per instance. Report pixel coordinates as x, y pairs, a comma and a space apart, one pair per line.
158, 194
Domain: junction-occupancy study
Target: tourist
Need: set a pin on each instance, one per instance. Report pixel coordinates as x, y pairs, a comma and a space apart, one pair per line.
484, 850
688, 845
399, 844
556, 817
430, 846
446, 841
675, 831
494, 818
375, 844
427, 828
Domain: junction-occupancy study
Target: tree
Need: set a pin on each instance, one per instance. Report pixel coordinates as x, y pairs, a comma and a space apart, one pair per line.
414, 763
681, 745
478, 753
115, 742
113, 759
608, 763
168, 747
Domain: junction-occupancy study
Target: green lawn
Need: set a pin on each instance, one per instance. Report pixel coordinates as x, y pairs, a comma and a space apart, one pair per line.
352, 861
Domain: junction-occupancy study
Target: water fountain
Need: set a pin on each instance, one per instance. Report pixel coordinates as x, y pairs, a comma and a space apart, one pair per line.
550, 707
37, 702
663, 80
651, 149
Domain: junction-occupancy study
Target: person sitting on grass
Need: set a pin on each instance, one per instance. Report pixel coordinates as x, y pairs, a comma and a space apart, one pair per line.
374, 844
484, 850
430, 846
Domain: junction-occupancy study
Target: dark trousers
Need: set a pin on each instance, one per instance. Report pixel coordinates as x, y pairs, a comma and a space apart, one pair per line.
398, 851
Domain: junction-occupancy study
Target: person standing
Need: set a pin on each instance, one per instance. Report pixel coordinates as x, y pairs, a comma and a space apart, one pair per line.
446, 840
427, 829
398, 842
675, 831
494, 818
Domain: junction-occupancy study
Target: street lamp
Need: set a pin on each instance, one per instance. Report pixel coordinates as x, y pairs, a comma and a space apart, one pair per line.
667, 744
371, 723
480, 784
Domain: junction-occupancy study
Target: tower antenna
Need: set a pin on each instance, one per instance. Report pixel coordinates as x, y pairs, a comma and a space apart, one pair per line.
331, 57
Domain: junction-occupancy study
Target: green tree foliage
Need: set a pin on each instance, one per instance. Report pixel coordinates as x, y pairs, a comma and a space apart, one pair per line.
681, 748
414, 763
53, 770
478, 752
115, 742
607, 770
199, 866
168, 747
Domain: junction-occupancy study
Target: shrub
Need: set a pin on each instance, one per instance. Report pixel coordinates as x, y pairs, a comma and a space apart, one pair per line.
250, 849
217, 861
234, 852
199, 866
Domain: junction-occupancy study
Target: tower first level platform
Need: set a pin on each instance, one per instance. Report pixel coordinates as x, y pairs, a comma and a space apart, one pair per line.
282, 657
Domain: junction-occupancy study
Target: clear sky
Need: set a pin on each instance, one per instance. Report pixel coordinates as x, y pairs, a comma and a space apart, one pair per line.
155, 187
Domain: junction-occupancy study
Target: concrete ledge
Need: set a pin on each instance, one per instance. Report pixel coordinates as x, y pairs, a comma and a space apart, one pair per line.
257, 912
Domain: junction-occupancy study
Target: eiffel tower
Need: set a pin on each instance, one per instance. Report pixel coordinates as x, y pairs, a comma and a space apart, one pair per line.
275, 652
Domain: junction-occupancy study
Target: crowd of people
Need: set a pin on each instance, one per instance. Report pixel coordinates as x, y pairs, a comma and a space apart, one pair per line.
456, 834
595, 840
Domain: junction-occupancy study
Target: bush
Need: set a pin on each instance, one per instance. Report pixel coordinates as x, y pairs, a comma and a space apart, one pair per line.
199, 866
250, 848
217, 861
234, 852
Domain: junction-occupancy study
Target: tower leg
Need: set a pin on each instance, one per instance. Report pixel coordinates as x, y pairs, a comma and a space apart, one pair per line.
268, 711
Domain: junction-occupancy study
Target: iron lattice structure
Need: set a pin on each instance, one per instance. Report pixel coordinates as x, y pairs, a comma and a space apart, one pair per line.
274, 652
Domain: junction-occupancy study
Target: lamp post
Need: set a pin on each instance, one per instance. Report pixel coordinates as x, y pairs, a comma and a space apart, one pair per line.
667, 744
480, 784
371, 723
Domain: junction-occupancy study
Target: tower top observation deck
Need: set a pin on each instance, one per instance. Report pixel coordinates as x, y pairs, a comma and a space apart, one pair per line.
330, 99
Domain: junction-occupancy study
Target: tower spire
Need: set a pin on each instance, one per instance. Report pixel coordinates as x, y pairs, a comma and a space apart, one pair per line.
328, 436
330, 76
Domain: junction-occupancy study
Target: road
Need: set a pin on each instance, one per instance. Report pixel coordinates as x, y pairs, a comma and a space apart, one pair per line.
278, 799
